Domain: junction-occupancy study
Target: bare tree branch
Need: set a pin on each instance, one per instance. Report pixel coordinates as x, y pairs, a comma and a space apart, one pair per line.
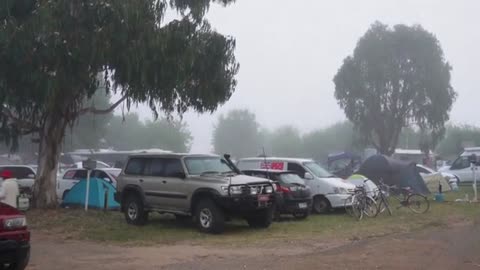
94, 110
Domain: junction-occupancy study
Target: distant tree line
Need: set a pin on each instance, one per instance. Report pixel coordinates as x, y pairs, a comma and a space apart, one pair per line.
239, 133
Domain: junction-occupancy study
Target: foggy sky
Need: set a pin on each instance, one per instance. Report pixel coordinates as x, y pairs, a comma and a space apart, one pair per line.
289, 52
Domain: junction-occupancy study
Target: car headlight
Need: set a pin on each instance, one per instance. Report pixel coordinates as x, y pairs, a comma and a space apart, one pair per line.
269, 189
14, 223
235, 190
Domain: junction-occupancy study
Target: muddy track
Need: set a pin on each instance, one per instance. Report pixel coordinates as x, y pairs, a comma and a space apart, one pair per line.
447, 248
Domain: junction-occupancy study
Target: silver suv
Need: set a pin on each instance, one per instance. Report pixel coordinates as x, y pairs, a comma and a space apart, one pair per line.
207, 187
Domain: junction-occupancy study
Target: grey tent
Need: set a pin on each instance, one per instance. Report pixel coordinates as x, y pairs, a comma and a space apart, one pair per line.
393, 172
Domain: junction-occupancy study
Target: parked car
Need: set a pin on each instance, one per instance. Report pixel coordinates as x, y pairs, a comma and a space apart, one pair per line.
206, 187
328, 191
461, 167
25, 176
72, 176
14, 239
293, 196
100, 165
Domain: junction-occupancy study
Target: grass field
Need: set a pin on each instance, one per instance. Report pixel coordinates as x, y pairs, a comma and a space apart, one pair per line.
111, 227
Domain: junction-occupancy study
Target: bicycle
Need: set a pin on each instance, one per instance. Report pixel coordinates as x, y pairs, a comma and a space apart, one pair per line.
360, 204
416, 202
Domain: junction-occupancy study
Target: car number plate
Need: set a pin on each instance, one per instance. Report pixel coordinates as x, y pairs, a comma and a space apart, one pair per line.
302, 205
263, 198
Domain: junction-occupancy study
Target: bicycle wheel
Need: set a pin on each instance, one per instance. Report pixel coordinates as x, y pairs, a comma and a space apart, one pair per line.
418, 203
382, 205
357, 208
370, 207
348, 205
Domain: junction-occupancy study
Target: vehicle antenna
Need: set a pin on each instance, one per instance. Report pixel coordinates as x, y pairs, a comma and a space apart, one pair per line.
265, 161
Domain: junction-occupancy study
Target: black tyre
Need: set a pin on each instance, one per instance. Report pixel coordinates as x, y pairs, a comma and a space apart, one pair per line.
21, 264
209, 217
135, 213
418, 203
301, 216
262, 219
321, 205
371, 208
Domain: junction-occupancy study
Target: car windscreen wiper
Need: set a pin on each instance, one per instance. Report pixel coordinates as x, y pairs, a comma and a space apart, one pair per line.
209, 172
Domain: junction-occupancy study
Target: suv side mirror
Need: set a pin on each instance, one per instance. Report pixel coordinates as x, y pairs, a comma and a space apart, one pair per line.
308, 176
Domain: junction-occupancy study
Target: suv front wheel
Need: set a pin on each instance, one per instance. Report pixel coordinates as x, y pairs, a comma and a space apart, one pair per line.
134, 211
209, 217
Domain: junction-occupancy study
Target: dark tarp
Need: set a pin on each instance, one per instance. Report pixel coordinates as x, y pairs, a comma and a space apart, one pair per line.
393, 172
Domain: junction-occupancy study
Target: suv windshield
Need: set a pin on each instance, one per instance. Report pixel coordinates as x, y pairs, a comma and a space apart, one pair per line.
202, 165
317, 170
291, 178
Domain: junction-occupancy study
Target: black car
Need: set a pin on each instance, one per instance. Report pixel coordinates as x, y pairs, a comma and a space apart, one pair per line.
293, 196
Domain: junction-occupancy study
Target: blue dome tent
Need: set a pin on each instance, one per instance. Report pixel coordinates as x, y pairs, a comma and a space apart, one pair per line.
99, 188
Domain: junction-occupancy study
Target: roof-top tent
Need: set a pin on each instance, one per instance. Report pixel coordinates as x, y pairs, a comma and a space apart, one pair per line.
393, 172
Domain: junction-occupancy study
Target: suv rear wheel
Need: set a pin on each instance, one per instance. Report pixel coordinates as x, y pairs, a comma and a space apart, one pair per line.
321, 205
209, 217
262, 219
134, 211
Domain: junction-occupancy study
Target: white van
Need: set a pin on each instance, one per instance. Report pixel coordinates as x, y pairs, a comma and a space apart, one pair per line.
461, 167
328, 191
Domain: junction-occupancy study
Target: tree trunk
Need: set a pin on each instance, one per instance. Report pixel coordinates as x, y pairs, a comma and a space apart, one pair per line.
51, 138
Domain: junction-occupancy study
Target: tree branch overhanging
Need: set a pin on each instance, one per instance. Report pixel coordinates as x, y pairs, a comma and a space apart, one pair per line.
25, 127
110, 109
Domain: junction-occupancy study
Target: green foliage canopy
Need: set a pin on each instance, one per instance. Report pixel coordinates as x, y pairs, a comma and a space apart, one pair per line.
397, 77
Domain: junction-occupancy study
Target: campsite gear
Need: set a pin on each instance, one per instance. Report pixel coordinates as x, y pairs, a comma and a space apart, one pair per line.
98, 189
360, 203
393, 172
87, 193
343, 164
439, 197
406, 196
433, 180
9, 189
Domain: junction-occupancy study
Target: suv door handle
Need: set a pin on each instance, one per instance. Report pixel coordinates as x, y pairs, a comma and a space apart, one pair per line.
140, 180
164, 181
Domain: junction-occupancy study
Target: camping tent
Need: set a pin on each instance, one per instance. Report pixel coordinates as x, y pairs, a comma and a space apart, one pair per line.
393, 172
99, 188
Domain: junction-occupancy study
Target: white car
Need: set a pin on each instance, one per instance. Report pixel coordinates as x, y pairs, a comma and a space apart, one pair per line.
25, 175
72, 176
328, 191
100, 165
461, 168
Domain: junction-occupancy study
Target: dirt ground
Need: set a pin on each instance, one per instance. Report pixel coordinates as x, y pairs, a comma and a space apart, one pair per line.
456, 247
